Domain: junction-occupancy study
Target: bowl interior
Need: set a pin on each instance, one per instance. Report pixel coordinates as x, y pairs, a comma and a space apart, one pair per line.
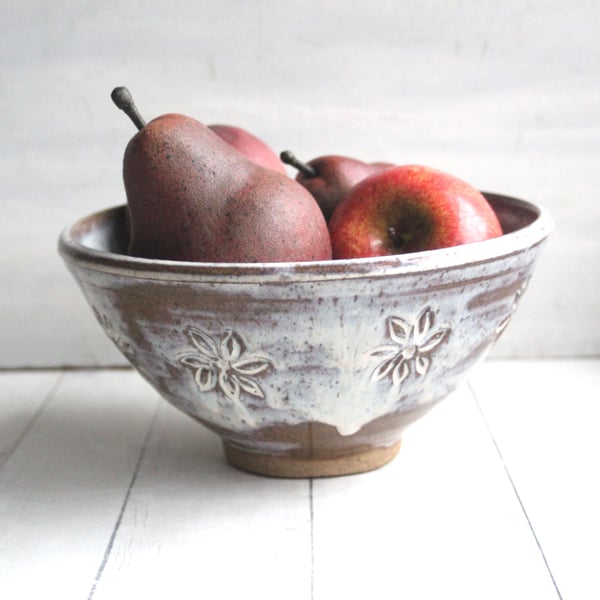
513, 214
107, 231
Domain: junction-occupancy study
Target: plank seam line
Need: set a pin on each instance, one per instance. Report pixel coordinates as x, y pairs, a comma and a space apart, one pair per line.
34, 419
514, 488
115, 531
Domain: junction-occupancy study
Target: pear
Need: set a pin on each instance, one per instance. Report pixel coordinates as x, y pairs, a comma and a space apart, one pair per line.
250, 146
330, 178
192, 197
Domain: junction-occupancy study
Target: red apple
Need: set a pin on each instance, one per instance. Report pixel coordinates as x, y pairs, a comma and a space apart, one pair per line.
250, 146
408, 209
329, 178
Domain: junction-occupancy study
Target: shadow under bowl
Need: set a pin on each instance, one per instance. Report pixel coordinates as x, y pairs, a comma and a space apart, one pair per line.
307, 369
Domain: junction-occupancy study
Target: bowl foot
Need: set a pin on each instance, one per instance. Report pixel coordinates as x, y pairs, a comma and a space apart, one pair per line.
294, 467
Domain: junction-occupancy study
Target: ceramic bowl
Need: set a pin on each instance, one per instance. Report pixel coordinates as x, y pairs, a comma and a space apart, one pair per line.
307, 369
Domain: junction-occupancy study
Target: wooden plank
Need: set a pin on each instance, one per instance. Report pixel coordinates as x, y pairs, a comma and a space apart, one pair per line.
544, 417
23, 397
441, 521
99, 484
63, 487
195, 527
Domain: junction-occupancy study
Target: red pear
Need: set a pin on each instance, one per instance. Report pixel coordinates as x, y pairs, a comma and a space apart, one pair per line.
330, 178
250, 146
192, 197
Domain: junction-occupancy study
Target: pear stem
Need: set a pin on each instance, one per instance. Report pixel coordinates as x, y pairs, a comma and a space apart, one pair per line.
123, 99
289, 158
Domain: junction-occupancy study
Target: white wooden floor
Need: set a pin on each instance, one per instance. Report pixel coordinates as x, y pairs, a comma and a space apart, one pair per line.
106, 492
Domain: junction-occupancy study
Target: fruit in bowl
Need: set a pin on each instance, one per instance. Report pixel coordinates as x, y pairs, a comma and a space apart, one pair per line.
249, 145
407, 209
306, 368
330, 178
192, 196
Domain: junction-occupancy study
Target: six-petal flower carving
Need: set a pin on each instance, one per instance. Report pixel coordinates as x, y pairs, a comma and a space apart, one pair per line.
411, 347
224, 365
517, 297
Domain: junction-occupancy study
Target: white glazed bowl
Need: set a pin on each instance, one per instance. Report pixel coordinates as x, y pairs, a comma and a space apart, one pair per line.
307, 369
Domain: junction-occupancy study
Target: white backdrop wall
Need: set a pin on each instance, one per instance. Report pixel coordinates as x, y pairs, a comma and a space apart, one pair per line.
503, 94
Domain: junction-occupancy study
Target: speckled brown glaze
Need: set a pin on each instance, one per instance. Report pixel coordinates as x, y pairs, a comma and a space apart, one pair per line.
307, 369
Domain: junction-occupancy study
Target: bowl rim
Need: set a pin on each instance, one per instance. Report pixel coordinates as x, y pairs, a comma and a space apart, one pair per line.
520, 240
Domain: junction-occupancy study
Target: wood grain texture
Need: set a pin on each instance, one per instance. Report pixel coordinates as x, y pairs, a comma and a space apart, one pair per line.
112, 493
441, 520
62, 488
544, 420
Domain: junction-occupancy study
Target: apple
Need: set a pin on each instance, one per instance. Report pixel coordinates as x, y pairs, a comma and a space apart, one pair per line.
329, 178
409, 208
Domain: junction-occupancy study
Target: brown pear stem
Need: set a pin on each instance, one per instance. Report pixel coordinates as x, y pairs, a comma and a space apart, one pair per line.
122, 97
289, 158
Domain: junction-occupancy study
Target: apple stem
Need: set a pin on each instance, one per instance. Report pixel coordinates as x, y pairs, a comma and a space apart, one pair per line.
123, 99
289, 158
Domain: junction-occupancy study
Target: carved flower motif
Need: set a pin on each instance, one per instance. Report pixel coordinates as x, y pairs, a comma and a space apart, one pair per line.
224, 365
413, 344
517, 297
115, 335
